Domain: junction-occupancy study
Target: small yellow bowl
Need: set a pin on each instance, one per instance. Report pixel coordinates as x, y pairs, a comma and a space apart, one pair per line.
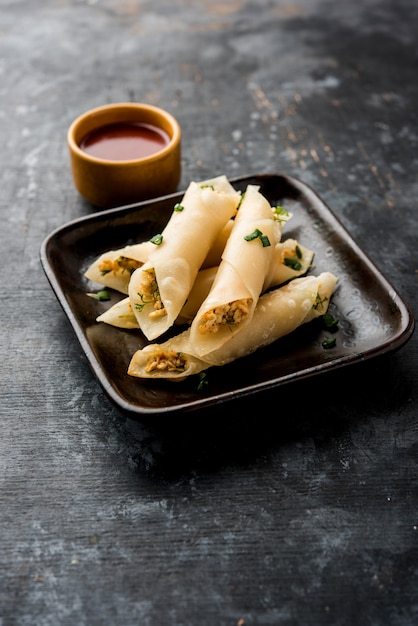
117, 180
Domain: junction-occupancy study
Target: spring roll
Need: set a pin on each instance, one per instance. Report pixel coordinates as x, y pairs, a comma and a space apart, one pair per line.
114, 268
239, 280
214, 256
290, 260
278, 313
159, 289
121, 314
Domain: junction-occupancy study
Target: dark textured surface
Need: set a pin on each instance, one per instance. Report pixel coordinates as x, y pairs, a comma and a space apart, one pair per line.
299, 508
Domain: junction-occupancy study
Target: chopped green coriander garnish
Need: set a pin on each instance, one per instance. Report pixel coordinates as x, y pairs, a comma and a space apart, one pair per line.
254, 235
102, 295
329, 343
202, 382
319, 302
178, 207
295, 264
330, 322
157, 239
140, 305
280, 214
257, 234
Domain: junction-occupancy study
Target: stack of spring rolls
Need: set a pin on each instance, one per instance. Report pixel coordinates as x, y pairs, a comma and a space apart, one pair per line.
220, 266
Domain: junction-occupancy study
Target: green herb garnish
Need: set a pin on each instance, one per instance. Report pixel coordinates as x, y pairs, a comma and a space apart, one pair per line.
157, 240
294, 264
102, 295
319, 302
280, 214
178, 207
329, 343
257, 234
202, 382
140, 305
330, 322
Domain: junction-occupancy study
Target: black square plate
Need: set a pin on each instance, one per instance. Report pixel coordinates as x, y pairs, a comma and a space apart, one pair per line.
373, 318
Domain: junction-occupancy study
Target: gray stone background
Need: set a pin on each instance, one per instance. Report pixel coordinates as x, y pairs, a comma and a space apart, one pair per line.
298, 508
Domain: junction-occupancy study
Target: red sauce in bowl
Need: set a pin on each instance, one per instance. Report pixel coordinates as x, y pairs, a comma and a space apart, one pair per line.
124, 141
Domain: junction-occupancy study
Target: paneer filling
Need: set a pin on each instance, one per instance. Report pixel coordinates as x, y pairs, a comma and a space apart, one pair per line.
121, 264
232, 313
150, 293
166, 360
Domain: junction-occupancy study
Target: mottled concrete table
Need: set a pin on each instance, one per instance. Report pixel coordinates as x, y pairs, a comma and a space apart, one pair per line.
294, 508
